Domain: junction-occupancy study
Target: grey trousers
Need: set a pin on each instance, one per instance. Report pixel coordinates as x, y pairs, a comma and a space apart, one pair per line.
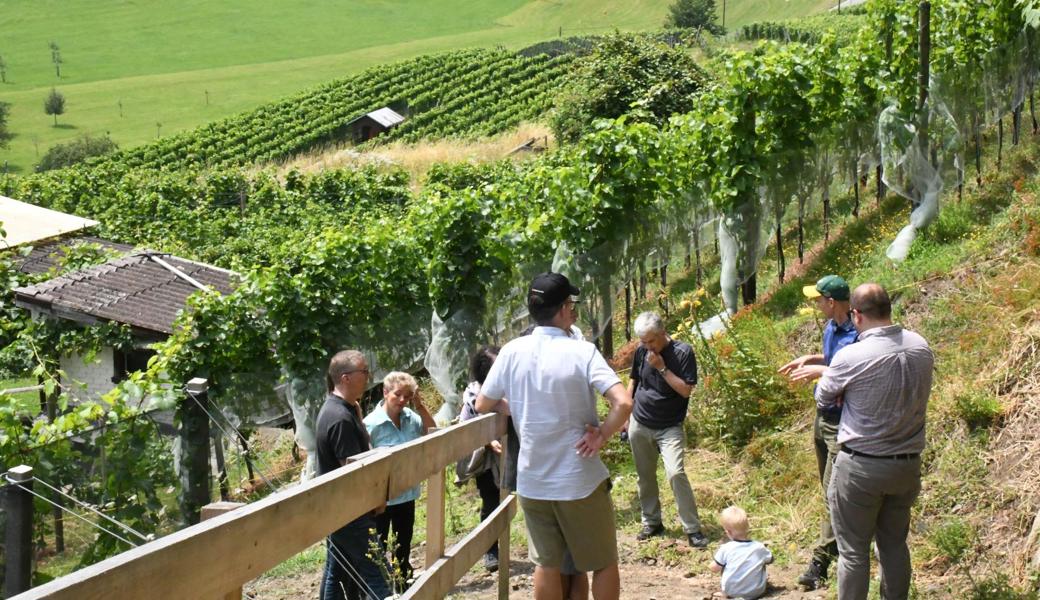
870, 498
670, 443
825, 440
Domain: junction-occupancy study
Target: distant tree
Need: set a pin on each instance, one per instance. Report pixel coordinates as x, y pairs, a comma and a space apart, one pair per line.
56, 58
54, 105
695, 14
5, 135
3, 70
626, 74
76, 151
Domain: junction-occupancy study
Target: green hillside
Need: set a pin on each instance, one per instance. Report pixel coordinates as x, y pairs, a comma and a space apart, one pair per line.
138, 70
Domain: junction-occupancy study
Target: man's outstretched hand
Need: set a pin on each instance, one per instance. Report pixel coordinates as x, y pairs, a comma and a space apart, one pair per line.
591, 442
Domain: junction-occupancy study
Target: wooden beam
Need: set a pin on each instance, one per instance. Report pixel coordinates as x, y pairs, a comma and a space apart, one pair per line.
210, 559
216, 509
435, 504
424, 457
442, 576
503, 539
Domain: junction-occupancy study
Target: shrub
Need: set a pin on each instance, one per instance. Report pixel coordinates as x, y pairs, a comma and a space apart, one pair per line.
76, 151
978, 410
952, 539
998, 588
741, 394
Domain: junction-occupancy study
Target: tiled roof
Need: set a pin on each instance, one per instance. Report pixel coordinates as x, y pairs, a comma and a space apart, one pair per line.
136, 290
46, 256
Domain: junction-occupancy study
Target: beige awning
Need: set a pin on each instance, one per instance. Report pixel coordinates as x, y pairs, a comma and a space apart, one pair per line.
25, 223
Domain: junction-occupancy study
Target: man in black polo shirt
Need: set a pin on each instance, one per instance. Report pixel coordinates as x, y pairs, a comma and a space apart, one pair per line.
349, 572
664, 372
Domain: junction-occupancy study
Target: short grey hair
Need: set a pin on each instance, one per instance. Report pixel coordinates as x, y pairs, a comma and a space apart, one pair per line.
648, 322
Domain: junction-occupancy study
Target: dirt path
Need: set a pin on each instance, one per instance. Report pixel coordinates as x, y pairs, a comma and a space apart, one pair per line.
641, 579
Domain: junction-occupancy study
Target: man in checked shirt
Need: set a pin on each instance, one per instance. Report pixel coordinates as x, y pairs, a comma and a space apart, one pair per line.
883, 382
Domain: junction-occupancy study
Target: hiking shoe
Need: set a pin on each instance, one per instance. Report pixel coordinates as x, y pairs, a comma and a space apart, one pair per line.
649, 531
491, 562
814, 576
697, 540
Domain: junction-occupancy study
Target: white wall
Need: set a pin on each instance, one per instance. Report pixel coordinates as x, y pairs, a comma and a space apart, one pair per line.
97, 375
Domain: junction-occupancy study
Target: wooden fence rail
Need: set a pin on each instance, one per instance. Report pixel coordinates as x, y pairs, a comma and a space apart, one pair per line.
216, 557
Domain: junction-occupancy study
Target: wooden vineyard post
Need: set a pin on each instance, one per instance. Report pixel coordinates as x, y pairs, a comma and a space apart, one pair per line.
503, 540
194, 434
435, 490
628, 311
218, 453
18, 505
50, 405
215, 510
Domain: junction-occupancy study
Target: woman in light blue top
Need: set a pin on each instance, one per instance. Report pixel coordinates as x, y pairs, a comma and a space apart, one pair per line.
400, 418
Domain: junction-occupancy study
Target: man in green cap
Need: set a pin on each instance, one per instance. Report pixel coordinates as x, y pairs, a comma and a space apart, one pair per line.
831, 295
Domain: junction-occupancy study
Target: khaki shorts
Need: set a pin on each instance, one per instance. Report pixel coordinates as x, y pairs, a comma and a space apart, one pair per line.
585, 527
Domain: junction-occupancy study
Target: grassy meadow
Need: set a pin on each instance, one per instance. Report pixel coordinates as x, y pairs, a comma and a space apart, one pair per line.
139, 70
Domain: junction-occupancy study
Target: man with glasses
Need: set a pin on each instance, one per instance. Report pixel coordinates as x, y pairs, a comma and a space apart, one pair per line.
349, 571
883, 382
831, 294
551, 380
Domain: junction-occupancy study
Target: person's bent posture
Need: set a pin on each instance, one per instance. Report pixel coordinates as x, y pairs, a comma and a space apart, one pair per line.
551, 380
831, 295
883, 382
341, 434
664, 372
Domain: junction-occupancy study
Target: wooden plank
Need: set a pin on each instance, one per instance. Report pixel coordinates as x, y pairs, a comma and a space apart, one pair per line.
503, 540
208, 559
422, 458
435, 501
441, 577
214, 510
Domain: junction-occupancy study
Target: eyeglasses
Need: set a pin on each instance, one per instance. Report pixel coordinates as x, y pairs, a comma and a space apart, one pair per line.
365, 371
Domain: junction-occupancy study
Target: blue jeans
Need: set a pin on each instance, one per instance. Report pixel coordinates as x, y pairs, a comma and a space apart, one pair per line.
351, 544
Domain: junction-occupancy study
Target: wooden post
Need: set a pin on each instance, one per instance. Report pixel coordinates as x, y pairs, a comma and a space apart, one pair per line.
435, 498
222, 476
50, 404
194, 436
503, 540
924, 49
855, 190
243, 441
18, 505
628, 310
215, 510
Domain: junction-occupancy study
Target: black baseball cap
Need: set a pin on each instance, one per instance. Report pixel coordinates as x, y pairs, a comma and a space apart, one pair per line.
551, 289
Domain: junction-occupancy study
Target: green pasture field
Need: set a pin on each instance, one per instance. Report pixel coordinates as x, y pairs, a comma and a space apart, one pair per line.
141, 69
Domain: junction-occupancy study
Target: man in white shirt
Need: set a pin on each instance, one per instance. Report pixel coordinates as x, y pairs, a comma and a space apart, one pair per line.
551, 382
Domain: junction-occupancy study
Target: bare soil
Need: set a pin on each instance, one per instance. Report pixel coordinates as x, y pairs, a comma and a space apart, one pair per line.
641, 579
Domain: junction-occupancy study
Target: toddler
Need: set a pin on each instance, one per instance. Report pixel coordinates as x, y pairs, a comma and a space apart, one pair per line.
741, 561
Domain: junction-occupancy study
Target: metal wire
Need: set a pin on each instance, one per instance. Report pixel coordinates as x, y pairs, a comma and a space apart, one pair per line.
93, 510
349, 569
71, 512
224, 431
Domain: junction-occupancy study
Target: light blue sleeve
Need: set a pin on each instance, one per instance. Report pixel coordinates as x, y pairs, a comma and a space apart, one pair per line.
415, 427
720, 556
